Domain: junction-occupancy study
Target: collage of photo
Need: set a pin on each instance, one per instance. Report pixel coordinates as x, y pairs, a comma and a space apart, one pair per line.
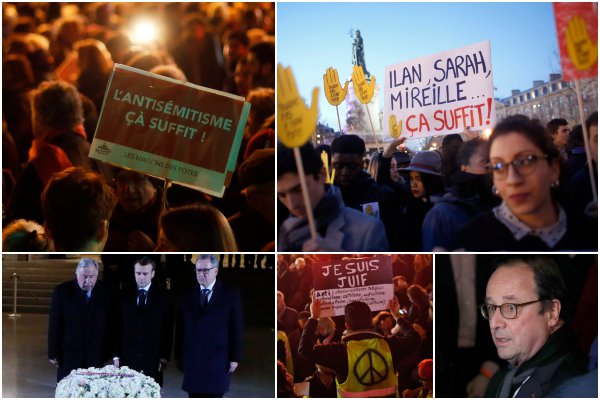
299, 199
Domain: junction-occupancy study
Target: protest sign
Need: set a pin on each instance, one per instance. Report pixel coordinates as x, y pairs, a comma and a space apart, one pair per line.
441, 93
334, 91
296, 123
577, 29
338, 283
170, 129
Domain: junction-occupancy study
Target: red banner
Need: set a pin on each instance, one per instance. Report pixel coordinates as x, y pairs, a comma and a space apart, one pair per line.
577, 29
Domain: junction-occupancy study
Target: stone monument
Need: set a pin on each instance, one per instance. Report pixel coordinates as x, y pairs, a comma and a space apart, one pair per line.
357, 118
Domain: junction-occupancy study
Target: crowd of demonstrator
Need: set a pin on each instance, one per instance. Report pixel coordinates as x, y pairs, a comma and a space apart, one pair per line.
525, 188
319, 356
57, 59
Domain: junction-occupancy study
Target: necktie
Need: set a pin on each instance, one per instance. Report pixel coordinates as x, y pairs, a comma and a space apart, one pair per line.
87, 295
204, 298
141, 298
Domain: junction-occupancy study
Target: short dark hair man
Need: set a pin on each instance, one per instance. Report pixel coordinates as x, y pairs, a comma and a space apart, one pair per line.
359, 190
524, 303
361, 349
146, 324
340, 228
261, 60
559, 129
213, 332
77, 205
78, 323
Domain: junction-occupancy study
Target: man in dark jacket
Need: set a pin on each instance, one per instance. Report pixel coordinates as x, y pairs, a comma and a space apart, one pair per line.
146, 324
364, 361
78, 323
359, 189
213, 332
524, 299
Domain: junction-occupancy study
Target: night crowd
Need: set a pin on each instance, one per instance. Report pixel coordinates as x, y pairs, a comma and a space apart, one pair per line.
316, 355
525, 188
57, 59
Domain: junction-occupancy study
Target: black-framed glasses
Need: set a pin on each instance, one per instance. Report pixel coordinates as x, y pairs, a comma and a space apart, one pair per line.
524, 165
508, 310
204, 271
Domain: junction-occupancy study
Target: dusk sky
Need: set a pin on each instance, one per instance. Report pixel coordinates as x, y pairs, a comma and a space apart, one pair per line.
314, 36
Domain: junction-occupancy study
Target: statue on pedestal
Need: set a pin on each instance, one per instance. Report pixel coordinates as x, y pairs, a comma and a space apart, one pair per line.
358, 53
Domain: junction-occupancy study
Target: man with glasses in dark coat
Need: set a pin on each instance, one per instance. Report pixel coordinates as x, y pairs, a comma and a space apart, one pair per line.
212, 332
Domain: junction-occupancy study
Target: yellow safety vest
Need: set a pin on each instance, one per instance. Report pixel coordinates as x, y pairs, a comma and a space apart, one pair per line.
370, 370
289, 364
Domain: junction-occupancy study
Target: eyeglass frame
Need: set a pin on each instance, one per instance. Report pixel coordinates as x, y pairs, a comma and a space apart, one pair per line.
534, 158
482, 308
204, 271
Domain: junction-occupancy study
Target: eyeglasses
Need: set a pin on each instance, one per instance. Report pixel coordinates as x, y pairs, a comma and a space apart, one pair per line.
204, 271
523, 165
508, 310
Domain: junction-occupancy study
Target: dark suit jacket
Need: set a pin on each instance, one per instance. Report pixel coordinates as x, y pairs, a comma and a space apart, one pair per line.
146, 334
77, 332
212, 338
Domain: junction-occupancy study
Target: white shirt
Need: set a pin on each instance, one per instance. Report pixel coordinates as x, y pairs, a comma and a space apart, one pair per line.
550, 235
209, 287
147, 288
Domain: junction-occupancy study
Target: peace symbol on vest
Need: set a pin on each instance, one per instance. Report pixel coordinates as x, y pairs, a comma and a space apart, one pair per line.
371, 376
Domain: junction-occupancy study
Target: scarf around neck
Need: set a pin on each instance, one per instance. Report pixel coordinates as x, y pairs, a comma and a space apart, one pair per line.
295, 230
558, 346
48, 158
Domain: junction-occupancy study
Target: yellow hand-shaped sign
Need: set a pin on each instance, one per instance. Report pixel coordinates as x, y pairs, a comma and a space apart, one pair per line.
395, 127
364, 91
582, 51
333, 89
295, 121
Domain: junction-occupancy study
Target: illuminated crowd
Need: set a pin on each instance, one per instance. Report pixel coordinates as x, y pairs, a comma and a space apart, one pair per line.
314, 352
57, 59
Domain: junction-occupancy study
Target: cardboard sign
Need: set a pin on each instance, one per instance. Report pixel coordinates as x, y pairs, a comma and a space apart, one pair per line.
170, 129
577, 29
338, 283
441, 93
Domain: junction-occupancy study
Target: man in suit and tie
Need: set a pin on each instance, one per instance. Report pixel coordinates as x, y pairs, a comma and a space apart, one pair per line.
212, 330
146, 324
77, 329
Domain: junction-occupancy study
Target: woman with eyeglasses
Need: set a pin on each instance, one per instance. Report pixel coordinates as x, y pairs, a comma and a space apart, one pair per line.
525, 167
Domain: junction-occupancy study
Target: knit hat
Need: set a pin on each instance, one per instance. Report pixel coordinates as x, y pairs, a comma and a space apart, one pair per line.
426, 369
427, 162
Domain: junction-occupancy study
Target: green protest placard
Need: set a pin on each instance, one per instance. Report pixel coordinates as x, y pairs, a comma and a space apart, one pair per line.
170, 129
